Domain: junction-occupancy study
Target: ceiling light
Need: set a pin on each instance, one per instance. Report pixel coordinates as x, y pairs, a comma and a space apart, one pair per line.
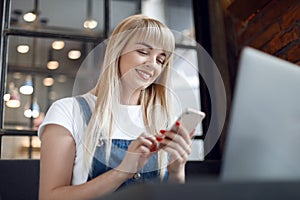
13, 103
14, 99
19, 128
27, 87
57, 45
53, 64
48, 81
74, 54
90, 24
6, 97
9, 89
29, 17
23, 48
32, 111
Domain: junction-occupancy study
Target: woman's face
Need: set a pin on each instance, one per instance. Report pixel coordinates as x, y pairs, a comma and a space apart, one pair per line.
140, 65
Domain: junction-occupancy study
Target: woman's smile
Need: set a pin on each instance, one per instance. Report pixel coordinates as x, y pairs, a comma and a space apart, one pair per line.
144, 74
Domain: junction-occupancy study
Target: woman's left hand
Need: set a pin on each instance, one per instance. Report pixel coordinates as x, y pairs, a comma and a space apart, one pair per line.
178, 145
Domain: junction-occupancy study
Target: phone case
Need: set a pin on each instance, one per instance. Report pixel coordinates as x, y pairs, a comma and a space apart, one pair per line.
189, 119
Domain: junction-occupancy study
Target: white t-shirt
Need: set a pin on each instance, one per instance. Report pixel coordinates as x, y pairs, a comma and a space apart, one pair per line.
67, 113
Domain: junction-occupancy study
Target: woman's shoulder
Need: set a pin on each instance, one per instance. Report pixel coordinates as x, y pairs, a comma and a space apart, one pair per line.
64, 112
65, 100
71, 101
62, 106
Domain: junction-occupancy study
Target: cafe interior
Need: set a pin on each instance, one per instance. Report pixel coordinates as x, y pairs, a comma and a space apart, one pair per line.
48, 53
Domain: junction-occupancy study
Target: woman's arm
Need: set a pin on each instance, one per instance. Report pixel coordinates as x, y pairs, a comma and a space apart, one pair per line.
56, 168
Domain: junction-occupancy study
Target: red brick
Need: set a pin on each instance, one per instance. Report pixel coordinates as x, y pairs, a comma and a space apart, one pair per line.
291, 36
266, 36
282, 56
274, 45
271, 13
274, 11
298, 63
291, 17
249, 32
293, 53
282, 40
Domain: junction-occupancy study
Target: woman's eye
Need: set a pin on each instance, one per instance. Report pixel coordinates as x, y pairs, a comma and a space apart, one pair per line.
161, 61
141, 51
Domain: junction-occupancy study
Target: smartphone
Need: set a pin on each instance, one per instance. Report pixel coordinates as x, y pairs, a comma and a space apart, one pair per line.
189, 119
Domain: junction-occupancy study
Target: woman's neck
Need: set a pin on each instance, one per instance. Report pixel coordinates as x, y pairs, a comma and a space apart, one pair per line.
129, 97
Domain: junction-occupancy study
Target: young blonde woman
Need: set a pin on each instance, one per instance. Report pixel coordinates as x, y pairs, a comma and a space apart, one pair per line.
115, 135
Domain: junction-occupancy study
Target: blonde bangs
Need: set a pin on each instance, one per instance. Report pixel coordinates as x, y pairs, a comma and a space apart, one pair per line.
157, 35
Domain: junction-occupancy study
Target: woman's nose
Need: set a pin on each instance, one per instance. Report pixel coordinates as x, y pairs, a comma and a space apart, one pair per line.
151, 61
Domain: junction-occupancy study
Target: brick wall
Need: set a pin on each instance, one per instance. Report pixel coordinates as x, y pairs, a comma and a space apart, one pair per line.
275, 29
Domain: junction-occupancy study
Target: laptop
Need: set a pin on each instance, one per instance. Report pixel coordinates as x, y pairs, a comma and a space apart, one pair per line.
263, 141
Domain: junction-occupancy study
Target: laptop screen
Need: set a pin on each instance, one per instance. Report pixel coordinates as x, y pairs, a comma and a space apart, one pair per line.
263, 141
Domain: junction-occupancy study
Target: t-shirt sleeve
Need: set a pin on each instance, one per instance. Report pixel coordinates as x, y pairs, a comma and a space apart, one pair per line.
61, 112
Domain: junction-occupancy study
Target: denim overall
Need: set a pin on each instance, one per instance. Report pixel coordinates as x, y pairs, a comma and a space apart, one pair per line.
148, 174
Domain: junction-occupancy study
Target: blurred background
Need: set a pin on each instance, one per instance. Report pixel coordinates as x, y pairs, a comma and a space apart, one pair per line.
44, 46
47, 44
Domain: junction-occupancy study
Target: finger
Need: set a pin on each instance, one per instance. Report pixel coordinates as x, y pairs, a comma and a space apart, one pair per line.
179, 130
177, 143
154, 143
140, 151
175, 155
178, 138
148, 141
173, 145
184, 133
172, 152
151, 138
143, 150
141, 140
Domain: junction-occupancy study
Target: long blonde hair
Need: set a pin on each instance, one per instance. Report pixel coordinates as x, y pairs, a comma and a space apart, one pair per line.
107, 90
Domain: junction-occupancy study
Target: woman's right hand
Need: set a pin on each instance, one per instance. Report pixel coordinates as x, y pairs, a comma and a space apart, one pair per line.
138, 153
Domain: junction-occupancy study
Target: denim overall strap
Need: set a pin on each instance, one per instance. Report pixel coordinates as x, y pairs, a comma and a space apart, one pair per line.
149, 173
85, 108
